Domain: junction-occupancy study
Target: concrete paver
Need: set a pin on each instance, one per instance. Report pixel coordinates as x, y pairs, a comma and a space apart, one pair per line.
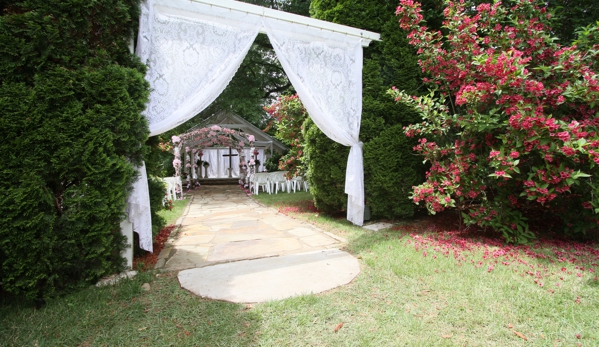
378, 226
227, 225
276, 278
232, 248
254, 249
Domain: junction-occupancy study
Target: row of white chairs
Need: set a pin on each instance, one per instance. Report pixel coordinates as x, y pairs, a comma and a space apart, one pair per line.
271, 182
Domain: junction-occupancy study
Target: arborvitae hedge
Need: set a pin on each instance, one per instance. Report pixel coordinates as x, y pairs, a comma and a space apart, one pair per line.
70, 101
388, 160
326, 169
392, 172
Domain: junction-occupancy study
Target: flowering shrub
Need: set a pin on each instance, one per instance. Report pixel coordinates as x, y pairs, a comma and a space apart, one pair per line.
510, 126
168, 204
289, 115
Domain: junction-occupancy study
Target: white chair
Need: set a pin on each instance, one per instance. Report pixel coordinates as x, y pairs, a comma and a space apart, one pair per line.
173, 185
306, 184
278, 178
260, 180
297, 182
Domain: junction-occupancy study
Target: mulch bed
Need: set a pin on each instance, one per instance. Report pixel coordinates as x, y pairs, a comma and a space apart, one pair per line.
147, 260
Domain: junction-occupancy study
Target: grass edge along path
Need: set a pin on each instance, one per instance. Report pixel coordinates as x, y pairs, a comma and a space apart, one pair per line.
146, 260
421, 285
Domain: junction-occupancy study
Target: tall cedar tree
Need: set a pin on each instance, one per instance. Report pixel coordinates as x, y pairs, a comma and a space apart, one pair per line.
70, 101
390, 169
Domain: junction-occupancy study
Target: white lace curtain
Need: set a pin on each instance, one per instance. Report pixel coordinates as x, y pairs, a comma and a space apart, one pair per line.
326, 70
193, 50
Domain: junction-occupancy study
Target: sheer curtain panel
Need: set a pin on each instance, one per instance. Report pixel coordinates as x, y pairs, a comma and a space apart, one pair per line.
326, 70
193, 51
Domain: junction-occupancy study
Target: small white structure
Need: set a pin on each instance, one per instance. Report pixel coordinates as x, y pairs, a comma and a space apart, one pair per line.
218, 157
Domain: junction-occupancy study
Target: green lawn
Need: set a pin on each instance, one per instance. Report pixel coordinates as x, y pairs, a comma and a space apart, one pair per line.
420, 285
171, 216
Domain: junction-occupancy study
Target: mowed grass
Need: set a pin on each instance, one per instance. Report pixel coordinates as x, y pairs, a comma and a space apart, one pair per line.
171, 216
421, 285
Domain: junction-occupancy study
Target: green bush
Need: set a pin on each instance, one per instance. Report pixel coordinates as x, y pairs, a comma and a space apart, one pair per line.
70, 101
391, 169
271, 164
157, 191
391, 62
158, 162
326, 161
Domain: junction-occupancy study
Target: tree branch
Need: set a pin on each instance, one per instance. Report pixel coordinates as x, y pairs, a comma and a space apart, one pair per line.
277, 89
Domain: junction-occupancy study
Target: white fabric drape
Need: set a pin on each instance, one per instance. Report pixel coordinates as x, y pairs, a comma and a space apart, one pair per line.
224, 163
326, 70
261, 157
193, 50
138, 210
234, 163
219, 164
210, 155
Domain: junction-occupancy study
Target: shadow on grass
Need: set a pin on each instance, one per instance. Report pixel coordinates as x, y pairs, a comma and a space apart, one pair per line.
126, 315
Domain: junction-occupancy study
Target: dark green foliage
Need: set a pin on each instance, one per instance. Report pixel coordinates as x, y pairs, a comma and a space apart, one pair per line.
70, 101
271, 164
327, 161
159, 163
390, 172
571, 15
391, 62
157, 192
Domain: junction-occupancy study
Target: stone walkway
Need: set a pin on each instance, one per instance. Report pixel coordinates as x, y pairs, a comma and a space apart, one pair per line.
221, 224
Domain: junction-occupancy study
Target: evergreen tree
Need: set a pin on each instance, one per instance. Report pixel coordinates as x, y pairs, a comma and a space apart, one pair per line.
391, 62
71, 94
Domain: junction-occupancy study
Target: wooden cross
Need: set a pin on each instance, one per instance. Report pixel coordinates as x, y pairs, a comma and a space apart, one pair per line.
230, 155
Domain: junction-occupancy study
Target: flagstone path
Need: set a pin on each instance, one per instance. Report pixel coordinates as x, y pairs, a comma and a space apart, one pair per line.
233, 248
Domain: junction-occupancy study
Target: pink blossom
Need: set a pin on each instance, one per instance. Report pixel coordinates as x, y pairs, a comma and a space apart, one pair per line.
564, 136
569, 151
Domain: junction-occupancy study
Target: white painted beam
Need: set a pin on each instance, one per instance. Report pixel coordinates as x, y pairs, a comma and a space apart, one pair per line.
366, 35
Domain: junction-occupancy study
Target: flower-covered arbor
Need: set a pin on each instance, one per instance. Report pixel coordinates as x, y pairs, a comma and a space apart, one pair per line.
215, 136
